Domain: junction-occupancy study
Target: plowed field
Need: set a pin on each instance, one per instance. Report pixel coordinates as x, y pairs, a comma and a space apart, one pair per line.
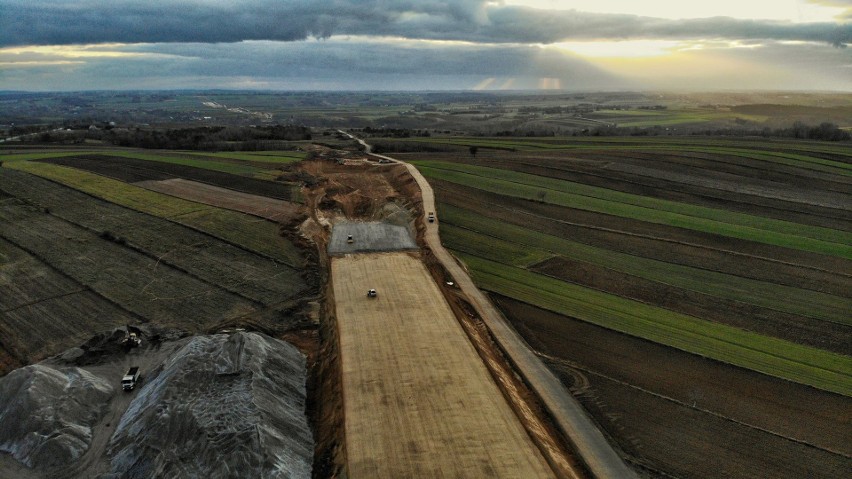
72, 265
690, 405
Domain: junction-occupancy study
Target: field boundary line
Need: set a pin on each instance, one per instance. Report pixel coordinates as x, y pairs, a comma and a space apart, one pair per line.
33, 303
677, 187
672, 209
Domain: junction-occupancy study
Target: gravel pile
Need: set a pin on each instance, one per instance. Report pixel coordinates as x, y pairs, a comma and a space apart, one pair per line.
223, 406
47, 413
207, 407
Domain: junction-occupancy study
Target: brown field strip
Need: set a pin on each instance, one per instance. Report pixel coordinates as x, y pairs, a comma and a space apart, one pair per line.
418, 400
262, 206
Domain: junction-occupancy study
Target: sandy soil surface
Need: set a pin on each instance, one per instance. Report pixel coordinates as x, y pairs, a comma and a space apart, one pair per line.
269, 208
418, 400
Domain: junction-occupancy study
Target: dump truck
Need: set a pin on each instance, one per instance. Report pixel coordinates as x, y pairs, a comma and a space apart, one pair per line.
131, 377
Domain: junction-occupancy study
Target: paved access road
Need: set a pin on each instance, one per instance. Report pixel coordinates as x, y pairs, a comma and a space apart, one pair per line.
418, 400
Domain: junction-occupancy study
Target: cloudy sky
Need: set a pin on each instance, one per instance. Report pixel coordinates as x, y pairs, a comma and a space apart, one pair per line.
426, 44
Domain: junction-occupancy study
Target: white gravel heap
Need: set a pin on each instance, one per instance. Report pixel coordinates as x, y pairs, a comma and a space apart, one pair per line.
223, 406
369, 236
47, 413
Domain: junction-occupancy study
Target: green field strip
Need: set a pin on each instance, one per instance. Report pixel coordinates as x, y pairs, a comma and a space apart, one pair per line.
495, 249
775, 357
510, 244
43, 156
238, 228
268, 175
224, 167
736, 225
488, 143
283, 157
789, 159
661, 205
840, 149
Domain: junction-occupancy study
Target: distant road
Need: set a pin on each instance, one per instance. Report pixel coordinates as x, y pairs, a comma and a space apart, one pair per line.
14, 138
568, 414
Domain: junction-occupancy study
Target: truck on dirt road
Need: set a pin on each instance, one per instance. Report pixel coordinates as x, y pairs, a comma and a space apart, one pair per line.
131, 377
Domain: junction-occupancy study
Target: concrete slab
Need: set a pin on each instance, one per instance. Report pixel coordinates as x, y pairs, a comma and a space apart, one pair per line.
369, 236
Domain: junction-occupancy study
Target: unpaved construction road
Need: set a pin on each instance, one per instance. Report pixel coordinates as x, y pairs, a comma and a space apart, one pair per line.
568, 415
418, 400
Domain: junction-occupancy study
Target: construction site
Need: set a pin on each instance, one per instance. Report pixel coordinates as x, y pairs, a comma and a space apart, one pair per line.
308, 322
394, 372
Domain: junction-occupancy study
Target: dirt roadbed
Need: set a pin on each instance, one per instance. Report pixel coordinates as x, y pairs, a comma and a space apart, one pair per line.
417, 397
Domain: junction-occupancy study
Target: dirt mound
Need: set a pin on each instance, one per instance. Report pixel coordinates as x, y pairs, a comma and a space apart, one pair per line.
357, 189
223, 406
47, 413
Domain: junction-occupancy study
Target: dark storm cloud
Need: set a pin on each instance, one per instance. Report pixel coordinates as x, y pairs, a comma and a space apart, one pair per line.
53, 22
329, 64
345, 60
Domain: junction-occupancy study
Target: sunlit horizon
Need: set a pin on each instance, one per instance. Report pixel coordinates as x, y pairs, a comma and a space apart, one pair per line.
798, 11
